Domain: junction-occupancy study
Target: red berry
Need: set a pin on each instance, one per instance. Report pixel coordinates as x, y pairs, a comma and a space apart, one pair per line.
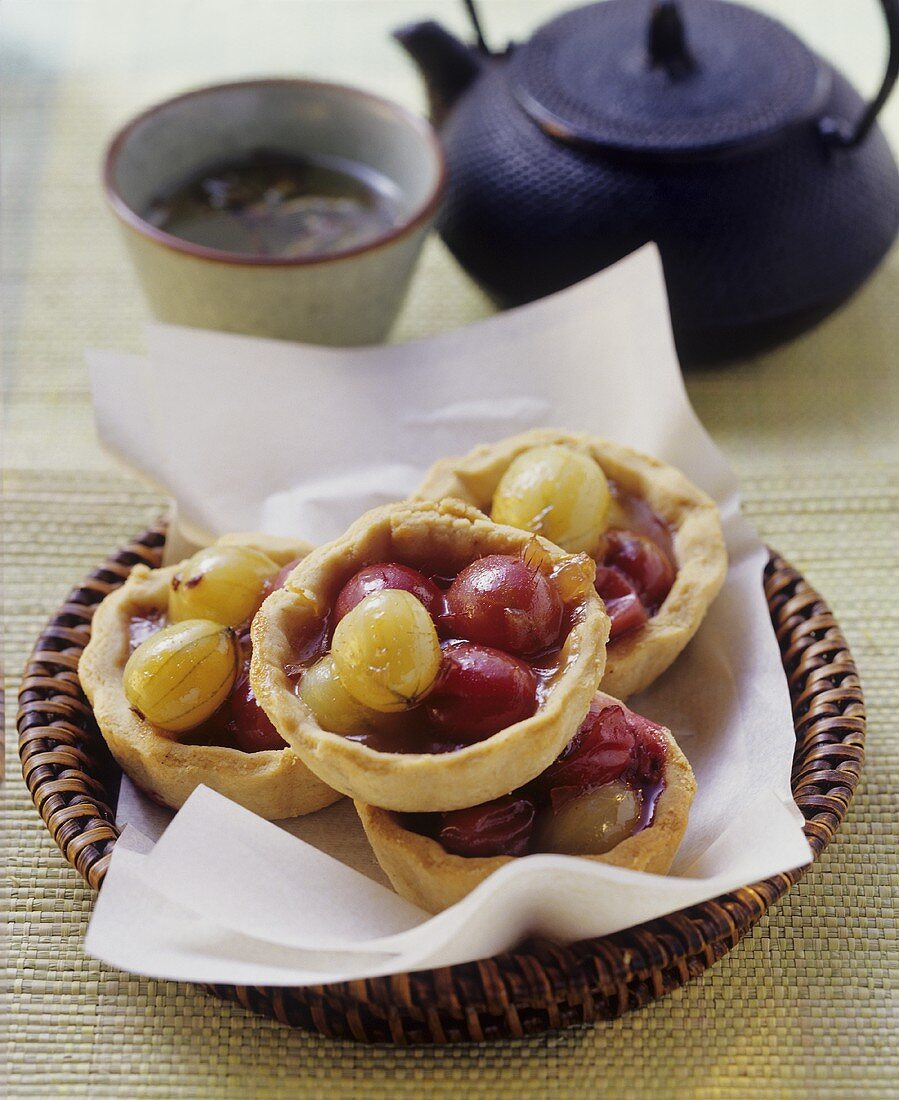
503, 602
643, 562
374, 578
480, 691
612, 743
250, 726
600, 751
502, 827
621, 599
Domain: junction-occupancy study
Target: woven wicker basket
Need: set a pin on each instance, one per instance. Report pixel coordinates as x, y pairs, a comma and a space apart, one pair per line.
540, 986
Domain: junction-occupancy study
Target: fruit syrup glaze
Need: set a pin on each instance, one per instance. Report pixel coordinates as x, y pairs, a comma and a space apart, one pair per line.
613, 748
239, 723
483, 685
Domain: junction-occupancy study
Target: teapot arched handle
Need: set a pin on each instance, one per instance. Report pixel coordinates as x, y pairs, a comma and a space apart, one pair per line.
475, 21
844, 134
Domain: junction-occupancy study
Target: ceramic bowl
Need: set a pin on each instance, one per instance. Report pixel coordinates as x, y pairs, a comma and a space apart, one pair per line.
348, 297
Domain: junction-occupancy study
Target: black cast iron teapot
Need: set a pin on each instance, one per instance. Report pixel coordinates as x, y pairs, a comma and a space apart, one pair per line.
699, 124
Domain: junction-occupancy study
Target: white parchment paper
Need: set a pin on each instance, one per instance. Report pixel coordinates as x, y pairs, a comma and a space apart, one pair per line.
249, 434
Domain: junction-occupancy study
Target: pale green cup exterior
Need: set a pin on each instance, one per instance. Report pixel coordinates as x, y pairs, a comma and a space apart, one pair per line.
348, 298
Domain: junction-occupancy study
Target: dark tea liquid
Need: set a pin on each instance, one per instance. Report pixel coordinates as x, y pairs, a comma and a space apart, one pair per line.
277, 205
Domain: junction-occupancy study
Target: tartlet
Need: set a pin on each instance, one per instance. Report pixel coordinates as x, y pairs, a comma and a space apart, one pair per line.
273, 783
440, 538
635, 659
426, 874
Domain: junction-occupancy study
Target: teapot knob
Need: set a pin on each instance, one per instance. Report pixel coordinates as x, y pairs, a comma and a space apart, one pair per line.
667, 41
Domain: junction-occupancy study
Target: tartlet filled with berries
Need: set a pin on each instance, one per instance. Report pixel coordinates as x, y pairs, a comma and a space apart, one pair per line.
167, 673
619, 793
429, 658
655, 537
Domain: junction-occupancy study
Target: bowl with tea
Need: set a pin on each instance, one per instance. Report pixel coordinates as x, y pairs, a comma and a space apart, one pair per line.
287, 208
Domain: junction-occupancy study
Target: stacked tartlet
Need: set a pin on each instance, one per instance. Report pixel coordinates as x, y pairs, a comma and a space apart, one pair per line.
619, 793
656, 538
475, 623
440, 664
167, 673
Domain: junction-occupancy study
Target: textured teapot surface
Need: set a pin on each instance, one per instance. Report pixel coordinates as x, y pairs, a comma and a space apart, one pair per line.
763, 226
653, 82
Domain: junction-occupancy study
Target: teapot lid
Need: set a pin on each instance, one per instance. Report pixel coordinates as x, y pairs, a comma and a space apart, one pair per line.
666, 78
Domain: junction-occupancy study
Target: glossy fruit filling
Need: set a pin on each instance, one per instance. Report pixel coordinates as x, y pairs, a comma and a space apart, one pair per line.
602, 789
408, 662
634, 563
562, 493
188, 670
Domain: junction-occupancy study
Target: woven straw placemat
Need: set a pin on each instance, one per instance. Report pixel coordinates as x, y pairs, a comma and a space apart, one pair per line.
804, 1005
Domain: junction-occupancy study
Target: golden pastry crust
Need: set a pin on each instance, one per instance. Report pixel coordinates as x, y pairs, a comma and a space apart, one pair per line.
635, 660
274, 784
423, 872
438, 538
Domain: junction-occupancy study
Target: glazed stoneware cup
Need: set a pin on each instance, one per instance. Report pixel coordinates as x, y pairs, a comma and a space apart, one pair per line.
348, 297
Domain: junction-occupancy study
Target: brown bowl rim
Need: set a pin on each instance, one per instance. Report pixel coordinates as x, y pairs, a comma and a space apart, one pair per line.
135, 221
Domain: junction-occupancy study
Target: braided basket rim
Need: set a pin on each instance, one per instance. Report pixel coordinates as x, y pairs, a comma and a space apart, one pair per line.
536, 987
